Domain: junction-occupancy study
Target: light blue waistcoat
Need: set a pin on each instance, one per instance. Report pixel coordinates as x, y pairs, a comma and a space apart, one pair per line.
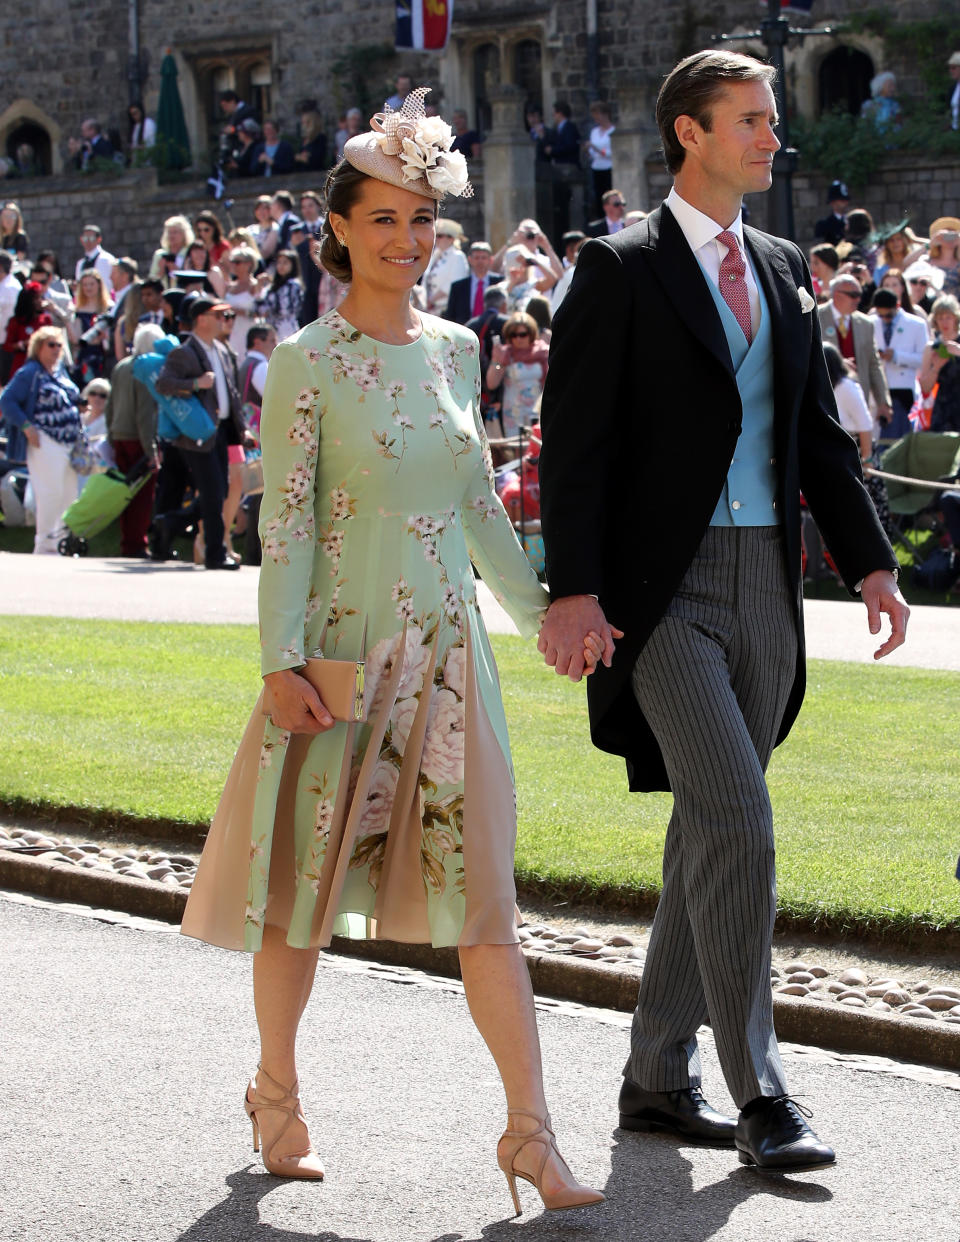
750, 489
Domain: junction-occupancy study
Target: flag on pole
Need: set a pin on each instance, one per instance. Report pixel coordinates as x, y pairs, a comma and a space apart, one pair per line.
423, 25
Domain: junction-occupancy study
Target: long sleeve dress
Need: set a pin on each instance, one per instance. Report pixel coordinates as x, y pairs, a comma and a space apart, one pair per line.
378, 495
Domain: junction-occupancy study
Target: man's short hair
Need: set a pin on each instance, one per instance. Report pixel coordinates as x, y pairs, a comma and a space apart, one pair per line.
229, 96
608, 195
6, 262
563, 108
694, 86
575, 235
885, 298
284, 198
128, 265
257, 332
480, 245
91, 228
494, 295
313, 196
827, 255
845, 278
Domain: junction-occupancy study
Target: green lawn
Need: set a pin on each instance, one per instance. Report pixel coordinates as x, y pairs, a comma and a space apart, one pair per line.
141, 720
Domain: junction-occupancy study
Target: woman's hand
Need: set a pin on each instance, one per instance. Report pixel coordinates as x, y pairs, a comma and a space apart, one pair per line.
592, 652
293, 704
500, 355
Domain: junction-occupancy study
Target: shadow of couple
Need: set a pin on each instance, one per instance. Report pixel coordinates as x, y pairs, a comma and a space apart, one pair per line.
650, 1193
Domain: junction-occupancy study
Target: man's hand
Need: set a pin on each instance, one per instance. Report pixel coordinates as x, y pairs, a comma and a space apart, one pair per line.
564, 630
881, 594
206, 380
884, 412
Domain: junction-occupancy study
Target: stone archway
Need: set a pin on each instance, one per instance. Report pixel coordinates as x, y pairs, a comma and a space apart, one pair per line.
25, 117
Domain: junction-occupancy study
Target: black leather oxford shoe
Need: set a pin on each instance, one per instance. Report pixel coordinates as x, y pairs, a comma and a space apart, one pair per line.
776, 1139
684, 1113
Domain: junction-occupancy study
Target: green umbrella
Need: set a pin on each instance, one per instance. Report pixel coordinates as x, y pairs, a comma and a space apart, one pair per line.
172, 138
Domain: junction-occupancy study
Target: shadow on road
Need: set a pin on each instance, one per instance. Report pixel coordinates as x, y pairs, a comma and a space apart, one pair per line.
650, 1194
238, 1217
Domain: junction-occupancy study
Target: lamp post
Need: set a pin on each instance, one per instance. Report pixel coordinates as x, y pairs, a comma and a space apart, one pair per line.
774, 31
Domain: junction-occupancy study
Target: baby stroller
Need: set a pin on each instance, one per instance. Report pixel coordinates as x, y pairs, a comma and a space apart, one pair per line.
102, 501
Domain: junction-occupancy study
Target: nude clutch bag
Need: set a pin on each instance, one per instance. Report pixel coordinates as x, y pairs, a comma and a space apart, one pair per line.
340, 686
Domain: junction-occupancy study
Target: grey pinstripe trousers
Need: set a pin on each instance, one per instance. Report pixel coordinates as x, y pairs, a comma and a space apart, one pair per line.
713, 682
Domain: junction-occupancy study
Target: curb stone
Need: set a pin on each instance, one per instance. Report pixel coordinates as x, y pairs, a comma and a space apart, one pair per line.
797, 1020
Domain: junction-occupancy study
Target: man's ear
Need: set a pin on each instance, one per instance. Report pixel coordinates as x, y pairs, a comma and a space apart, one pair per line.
687, 131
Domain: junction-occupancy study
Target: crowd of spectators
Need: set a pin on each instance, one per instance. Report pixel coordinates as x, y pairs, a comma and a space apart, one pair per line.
888, 308
86, 362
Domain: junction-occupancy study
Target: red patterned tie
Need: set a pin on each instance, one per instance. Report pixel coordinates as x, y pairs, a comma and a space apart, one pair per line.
733, 286
478, 300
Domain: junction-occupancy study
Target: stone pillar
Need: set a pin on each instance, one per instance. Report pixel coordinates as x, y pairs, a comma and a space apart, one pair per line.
509, 191
634, 139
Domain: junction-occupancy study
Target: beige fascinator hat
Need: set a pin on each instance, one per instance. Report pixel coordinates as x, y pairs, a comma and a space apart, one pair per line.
411, 150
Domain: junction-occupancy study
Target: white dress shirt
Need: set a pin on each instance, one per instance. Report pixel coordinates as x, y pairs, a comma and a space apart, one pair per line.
216, 366
701, 233
103, 261
10, 289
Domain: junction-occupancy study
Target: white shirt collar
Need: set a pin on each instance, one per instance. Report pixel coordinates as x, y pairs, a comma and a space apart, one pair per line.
698, 228
256, 355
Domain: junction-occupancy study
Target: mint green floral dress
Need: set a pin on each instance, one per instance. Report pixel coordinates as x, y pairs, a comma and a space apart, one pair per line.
378, 495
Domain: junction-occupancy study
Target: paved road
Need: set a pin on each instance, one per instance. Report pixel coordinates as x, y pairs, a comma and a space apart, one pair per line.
142, 591
125, 1054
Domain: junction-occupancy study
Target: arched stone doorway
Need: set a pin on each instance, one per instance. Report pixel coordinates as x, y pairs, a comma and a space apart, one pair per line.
23, 122
844, 79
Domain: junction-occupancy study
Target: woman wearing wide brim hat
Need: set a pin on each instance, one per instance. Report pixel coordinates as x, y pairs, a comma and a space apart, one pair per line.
378, 492
944, 252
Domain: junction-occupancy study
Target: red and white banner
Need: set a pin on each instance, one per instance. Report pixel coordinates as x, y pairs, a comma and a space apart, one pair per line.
423, 25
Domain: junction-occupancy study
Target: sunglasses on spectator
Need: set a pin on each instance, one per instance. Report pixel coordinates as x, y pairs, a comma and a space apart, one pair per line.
204, 228
850, 293
53, 345
516, 336
918, 281
617, 202
225, 315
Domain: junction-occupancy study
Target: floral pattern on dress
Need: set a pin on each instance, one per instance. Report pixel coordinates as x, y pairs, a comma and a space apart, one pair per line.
378, 453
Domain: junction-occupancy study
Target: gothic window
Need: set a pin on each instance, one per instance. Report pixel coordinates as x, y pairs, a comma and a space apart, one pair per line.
845, 75
486, 73
528, 72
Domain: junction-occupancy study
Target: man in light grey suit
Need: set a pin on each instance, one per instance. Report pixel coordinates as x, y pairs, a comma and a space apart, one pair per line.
710, 371
853, 334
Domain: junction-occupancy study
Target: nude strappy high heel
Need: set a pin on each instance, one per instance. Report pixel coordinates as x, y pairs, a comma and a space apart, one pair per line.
293, 1164
572, 1195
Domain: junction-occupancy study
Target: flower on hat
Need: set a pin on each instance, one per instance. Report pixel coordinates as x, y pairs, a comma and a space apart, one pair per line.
423, 145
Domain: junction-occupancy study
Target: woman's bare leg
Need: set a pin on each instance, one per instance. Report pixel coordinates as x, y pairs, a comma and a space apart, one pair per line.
500, 997
282, 981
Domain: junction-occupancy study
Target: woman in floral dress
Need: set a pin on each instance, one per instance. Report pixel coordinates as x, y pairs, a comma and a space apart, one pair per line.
378, 494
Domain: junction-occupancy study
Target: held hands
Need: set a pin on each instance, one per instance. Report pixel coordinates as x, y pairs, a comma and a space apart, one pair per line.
293, 704
881, 594
573, 630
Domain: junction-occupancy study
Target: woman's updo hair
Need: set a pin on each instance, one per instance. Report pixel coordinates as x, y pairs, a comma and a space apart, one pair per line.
342, 191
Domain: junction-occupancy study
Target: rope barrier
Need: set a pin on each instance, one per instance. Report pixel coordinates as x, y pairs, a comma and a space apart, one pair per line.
902, 478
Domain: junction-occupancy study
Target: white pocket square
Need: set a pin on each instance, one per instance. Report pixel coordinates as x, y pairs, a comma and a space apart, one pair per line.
806, 301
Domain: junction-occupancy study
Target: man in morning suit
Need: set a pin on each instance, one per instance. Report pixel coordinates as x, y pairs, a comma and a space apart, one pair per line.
204, 368
466, 295
671, 521
614, 209
853, 334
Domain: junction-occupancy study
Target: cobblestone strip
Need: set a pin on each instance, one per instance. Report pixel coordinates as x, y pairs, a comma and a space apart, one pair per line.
559, 957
